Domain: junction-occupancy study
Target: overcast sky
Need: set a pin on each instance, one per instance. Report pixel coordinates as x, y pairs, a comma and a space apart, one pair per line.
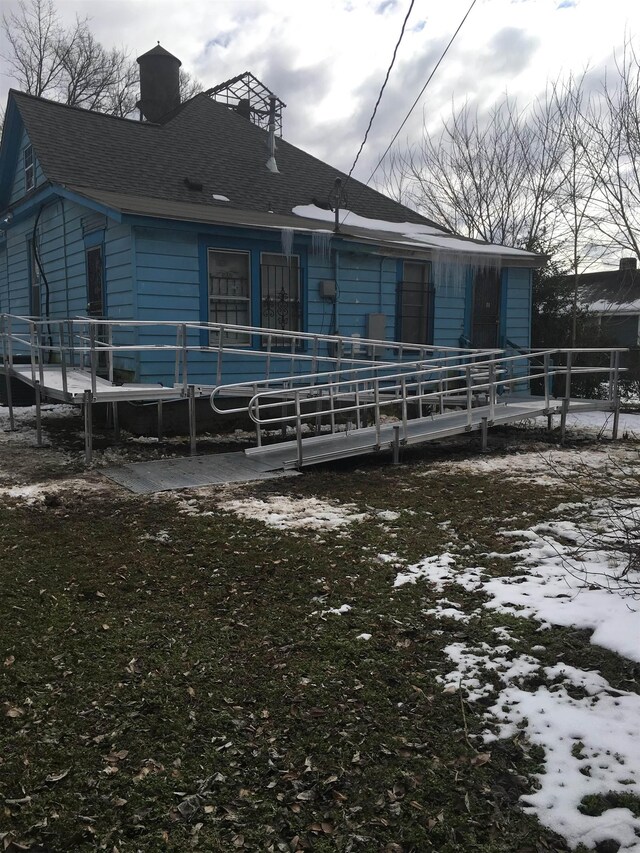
326, 59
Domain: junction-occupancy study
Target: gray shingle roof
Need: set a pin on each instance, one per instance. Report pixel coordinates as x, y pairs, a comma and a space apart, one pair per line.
205, 142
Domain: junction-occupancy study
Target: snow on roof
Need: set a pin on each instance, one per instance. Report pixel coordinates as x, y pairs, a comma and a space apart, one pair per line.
426, 235
606, 306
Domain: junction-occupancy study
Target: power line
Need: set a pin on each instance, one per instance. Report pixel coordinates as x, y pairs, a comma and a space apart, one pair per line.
375, 109
422, 91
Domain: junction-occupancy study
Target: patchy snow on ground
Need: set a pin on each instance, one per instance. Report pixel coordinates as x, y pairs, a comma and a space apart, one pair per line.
601, 422
439, 571
591, 742
543, 466
290, 513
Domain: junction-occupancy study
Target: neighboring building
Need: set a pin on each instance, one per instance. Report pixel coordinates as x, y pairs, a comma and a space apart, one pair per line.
201, 214
613, 298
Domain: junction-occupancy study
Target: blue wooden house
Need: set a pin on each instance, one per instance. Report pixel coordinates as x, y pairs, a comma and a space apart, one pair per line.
200, 212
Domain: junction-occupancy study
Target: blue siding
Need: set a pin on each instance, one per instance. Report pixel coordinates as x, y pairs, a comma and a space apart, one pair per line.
160, 274
450, 312
518, 306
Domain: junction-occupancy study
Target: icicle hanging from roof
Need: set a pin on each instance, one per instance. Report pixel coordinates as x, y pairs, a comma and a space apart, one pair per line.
321, 245
452, 270
286, 237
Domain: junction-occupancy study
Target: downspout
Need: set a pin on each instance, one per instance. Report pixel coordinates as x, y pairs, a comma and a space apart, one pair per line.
336, 311
47, 300
66, 260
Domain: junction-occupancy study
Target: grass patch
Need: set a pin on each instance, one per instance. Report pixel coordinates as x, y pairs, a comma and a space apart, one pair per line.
170, 680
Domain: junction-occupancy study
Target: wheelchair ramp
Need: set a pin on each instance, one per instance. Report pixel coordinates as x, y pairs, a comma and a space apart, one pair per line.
356, 442
192, 472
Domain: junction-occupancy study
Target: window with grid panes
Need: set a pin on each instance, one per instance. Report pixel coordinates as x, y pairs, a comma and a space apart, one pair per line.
415, 303
229, 294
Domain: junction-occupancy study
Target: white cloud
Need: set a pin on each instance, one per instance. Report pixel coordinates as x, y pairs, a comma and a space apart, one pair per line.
326, 59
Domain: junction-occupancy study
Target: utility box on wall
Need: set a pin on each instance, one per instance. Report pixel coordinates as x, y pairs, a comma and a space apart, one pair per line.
328, 289
376, 326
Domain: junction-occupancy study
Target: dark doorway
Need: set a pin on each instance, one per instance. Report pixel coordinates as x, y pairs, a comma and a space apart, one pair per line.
486, 309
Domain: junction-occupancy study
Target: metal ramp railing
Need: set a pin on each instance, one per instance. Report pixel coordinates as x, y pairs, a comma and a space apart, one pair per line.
484, 391
82, 360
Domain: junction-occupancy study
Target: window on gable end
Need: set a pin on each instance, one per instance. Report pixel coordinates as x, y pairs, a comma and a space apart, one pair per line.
29, 169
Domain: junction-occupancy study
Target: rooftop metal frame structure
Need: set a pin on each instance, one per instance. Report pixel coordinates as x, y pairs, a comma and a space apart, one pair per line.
248, 89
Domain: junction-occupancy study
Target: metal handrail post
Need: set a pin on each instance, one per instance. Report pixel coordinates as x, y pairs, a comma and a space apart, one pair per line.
9, 328
88, 427
32, 346
467, 371
567, 379
492, 392
38, 397
403, 386
546, 380
176, 369
616, 397
332, 407
613, 394
191, 395
376, 409
110, 354
267, 369
563, 420
220, 354
298, 428
40, 357
63, 360
6, 362
255, 405
185, 379
92, 356
72, 346
358, 415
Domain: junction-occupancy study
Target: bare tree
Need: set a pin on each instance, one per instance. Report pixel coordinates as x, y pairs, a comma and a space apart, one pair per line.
488, 178
70, 65
34, 37
613, 155
189, 86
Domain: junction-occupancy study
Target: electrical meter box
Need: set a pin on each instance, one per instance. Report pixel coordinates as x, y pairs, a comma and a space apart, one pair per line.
328, 289
376, 325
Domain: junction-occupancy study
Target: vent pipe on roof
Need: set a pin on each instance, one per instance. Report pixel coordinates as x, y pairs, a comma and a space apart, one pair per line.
159, 83
628, 263
272, 166
243, 108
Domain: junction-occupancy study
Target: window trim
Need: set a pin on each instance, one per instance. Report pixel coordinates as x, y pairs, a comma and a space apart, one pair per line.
29, 168
242, 339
